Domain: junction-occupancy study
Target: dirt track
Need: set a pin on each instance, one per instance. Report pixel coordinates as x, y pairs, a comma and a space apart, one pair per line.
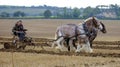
65, 53
97, 45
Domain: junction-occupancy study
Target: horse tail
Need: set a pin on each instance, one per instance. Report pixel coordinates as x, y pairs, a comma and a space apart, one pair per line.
56, 33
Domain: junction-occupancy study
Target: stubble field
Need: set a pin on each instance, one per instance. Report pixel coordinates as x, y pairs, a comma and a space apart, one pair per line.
106, 52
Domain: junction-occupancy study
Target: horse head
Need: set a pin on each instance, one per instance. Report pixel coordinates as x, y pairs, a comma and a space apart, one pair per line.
99, 25
103, 29
94, 23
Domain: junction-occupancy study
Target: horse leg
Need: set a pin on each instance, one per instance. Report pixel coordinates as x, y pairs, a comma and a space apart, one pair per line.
91, 44
91, 39
71, 45
78, 46
74, 44
87, 47
67, 42
58, 42
53, 44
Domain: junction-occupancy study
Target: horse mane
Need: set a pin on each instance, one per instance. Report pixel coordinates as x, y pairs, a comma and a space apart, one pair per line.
90, 19
87, 19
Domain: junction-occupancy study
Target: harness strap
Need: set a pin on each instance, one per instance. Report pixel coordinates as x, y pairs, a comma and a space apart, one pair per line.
76, 33
58, 38
86, 30
69, 37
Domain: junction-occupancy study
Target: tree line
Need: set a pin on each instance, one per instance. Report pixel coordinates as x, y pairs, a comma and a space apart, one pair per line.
101, 11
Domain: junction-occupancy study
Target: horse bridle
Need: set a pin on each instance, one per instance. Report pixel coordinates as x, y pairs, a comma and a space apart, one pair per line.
97, 26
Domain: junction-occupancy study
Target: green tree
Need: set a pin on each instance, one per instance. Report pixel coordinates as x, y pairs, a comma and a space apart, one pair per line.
19, 14
76, 13
5, 14
67, 13
96, 11
59, 15
116, 9
88, 12
47, 14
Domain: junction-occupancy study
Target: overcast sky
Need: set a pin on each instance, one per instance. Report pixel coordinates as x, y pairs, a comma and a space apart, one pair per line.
59, 3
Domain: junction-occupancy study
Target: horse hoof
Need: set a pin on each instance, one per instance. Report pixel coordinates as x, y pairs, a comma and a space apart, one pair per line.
89, 51
77, 51
57, 47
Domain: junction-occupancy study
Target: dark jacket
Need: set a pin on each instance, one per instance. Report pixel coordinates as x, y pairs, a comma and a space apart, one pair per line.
18, 28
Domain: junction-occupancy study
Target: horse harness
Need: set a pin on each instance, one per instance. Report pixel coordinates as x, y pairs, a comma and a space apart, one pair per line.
87, 33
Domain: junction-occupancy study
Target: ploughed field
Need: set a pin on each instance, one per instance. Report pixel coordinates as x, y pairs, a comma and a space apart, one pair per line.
106, 50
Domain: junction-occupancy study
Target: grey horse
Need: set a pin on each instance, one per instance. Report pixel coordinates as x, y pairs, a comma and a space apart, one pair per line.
71, 32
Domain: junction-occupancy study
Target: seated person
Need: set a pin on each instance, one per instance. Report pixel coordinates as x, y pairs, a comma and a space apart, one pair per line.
18, 30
